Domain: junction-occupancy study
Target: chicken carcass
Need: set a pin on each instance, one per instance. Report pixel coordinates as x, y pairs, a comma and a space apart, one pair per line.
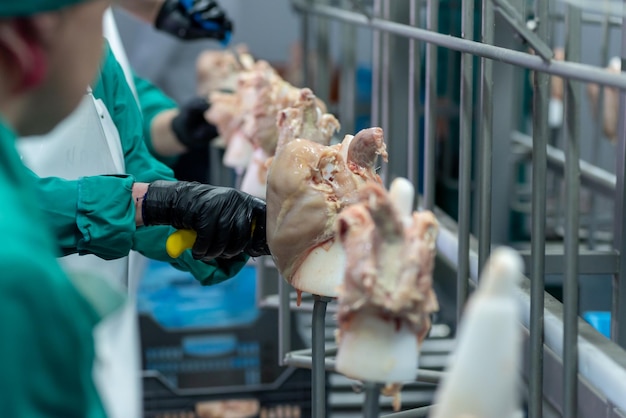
225, 114
610, 102
246, 118
481, 379
308, 185
218, 70
305, 120
386, 297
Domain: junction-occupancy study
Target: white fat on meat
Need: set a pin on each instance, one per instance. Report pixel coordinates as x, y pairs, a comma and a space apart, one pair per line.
386, 297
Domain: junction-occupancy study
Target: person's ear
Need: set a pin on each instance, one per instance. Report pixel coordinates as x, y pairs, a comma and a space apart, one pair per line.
24, 46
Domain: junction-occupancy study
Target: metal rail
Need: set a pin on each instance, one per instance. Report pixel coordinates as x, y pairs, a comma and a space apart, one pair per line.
537, 270
571, 70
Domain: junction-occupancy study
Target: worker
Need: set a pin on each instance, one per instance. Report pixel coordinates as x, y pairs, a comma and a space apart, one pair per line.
50, 361
105, 215
171, 130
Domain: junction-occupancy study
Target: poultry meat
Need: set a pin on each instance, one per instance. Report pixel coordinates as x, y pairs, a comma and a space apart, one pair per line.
308, 185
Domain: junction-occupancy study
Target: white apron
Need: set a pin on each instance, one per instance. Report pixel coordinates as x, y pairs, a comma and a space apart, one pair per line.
87, 143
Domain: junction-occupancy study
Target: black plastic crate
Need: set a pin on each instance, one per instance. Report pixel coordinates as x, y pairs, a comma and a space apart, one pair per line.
175, 379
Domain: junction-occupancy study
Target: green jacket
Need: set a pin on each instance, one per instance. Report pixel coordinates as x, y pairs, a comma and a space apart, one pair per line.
152, 102
96, 215
47, 347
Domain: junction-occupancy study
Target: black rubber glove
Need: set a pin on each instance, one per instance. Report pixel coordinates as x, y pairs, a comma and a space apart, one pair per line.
223, 217
190, 126
194, 19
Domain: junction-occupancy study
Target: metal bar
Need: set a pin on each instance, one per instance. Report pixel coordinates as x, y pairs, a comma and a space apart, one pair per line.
485, 144
597, 134
348, 76
284, 320
322, 57
385, 88
411, 413
305, 36
618, 323
465, 158
597, 179
592, 18
430, 116
371, 406
318, 369
273, 301
574, 71
590, 262
306, 362
518, 23
429, 376
376, 64
413, 139
572, 201
329, 351
541, 99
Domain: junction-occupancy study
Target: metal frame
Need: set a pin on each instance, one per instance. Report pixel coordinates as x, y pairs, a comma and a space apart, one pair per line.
568, 364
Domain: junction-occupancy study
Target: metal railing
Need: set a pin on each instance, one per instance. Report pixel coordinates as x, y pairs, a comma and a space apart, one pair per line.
568, 364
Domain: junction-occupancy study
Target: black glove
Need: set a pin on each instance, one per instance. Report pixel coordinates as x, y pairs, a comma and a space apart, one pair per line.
223, 217
190, 126
194, 19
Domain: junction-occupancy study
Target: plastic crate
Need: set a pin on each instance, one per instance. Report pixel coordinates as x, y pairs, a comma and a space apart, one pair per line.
224, 348
600, 320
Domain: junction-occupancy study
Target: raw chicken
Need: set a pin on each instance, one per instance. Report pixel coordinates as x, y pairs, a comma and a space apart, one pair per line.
386, 298
308, 185
610, 103
389, 262
218, 70
249, 113
224, 113
237, 408
304, 120
483, 375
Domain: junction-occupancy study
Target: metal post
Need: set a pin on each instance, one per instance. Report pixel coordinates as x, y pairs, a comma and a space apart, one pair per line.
322, 58
593, 207
465, 158
371, 406
430, 116
284, 320
572, 201
413, 116
318, 370
618, 311
348, 76
486, 138
385, 88
541, 98
305, 35
376, 64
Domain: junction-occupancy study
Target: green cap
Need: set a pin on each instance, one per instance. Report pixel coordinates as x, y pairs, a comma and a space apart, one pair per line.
15, 8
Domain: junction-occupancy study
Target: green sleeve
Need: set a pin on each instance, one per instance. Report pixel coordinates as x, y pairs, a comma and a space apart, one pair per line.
46, 338
152, 101
95, 214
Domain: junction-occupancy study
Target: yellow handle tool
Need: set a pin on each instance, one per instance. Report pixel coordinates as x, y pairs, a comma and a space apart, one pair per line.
184, 239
